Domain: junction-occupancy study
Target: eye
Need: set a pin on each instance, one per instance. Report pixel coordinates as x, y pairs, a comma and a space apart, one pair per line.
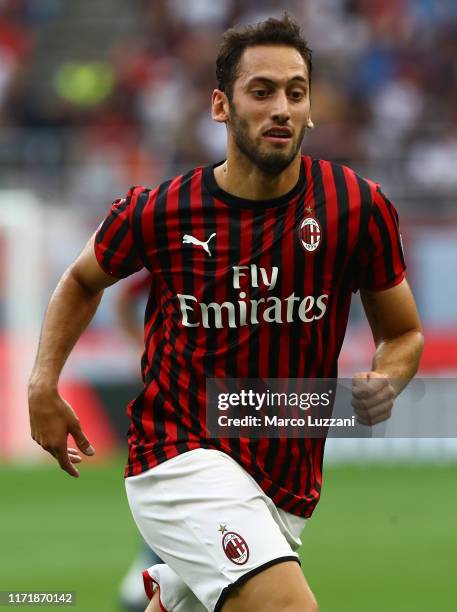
260, 94
297, 94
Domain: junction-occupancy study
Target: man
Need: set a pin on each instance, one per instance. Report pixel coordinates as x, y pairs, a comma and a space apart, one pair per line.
254, 262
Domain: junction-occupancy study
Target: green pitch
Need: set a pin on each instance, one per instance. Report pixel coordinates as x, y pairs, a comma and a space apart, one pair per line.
383, 539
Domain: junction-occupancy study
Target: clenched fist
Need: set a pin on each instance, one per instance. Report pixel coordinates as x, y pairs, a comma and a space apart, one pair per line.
372, 397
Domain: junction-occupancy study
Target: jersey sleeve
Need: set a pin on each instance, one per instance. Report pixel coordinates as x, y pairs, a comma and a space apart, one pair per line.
116, 248
381, 262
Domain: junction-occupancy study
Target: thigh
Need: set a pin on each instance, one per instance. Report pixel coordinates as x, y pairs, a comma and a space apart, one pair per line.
280, 587
209, 522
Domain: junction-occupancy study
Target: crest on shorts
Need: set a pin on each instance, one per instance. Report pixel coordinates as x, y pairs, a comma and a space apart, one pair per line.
310, 234
235, 548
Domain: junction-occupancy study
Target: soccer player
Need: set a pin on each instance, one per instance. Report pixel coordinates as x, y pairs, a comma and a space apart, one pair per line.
254, 262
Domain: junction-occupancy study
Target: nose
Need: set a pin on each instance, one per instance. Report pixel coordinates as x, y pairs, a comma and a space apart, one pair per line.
280, 111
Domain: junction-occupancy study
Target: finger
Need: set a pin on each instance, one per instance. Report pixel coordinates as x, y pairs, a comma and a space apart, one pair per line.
383, 396
81, 441
366, 389
373, 410
360, 376
74, 456
374, 374
381, 412
381, 418
377, 414
378, 395
65, 463
359, 380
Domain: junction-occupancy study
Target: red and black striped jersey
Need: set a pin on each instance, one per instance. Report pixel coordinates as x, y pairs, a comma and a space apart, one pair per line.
246, 289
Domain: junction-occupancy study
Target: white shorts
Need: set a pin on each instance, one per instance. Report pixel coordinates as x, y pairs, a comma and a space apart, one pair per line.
212, 525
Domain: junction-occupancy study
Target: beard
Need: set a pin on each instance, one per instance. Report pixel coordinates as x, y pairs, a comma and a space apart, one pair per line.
271, 162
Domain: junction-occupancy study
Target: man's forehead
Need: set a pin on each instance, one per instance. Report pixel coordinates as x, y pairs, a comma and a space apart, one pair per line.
274, 62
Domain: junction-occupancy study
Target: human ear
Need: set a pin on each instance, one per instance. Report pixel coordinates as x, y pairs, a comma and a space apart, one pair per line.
219, 106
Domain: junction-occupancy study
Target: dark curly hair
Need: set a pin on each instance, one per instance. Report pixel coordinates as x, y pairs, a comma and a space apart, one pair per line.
272, 31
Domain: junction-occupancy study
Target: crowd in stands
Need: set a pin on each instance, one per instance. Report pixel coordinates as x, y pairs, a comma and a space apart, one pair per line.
384, 95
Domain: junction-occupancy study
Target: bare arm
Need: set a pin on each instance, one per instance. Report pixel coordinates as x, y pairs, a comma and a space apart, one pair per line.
71, 308
397, 333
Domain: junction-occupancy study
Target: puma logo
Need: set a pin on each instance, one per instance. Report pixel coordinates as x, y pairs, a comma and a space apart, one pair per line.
187, 239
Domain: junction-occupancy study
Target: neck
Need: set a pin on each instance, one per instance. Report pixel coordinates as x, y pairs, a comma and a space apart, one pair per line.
240, 177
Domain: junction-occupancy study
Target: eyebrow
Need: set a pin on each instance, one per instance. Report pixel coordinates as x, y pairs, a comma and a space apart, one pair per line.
269, 81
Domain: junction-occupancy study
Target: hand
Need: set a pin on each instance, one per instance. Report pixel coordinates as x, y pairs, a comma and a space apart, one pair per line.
372, 397
51, 420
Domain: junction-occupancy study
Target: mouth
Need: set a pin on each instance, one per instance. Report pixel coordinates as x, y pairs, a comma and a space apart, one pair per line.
278, 135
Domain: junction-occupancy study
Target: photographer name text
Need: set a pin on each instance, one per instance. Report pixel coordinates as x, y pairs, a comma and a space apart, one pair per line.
275, 421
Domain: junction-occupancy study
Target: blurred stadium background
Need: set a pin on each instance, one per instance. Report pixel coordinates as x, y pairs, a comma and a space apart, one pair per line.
98, 95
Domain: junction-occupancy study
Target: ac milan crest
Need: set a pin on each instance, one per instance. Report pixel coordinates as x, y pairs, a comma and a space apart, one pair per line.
310, 234
235, 548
